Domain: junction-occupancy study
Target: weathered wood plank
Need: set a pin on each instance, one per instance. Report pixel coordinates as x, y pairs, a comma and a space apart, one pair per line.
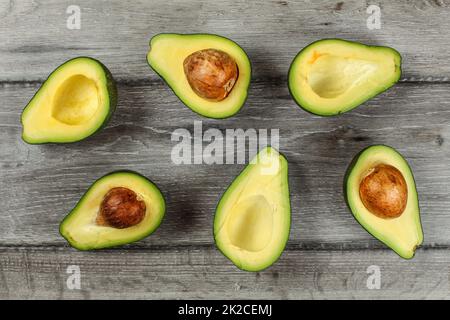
35, 39
328, 252
194, 274
40, 184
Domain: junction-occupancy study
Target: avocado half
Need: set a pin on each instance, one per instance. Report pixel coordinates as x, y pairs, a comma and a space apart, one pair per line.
166, 57
253, 217
333, 76
402, 234
80, 227
75, 101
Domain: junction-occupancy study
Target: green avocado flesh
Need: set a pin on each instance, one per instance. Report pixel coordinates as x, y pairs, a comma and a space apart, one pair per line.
332, 76
252, 220
402, 234
167, 54
75, 101
80, 227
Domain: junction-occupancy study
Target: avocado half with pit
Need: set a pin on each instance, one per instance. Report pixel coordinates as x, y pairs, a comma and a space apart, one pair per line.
209, 73
381, 193
75, 101
119, 208
253, 217
333, 76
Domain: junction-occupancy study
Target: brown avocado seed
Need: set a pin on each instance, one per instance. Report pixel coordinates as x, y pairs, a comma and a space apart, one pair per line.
211, 73
121, 209
384, 192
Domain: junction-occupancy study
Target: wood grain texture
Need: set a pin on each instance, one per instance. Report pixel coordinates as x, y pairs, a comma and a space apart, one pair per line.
328, 252
40, 184
35, 39
191, 273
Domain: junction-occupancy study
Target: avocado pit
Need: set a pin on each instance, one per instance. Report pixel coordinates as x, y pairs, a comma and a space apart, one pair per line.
211, 73
121, 209
384, 192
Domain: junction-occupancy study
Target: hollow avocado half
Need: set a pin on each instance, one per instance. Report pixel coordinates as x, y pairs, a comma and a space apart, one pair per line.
75, 101
167, 55
333, 76
252, 219
402, 234
81, 228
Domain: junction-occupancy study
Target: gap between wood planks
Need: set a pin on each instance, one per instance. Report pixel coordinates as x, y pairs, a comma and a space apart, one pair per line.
279, 80
297, 246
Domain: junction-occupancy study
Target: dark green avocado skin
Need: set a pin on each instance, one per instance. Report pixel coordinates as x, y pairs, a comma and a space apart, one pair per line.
107, 245
167, 84
347, 173
338, 113
288, 231
112, 94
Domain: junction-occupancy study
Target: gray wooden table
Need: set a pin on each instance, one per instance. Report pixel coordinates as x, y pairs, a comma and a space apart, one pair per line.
328, 253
